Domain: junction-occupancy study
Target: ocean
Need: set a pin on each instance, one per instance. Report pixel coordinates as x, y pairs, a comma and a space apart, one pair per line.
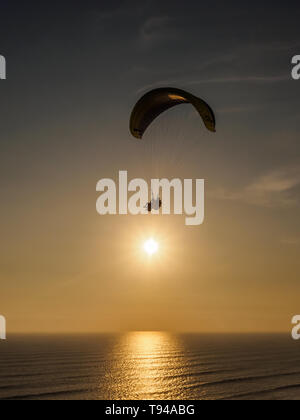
150, 366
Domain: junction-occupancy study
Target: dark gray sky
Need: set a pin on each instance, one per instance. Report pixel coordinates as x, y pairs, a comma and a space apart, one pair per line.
74, 71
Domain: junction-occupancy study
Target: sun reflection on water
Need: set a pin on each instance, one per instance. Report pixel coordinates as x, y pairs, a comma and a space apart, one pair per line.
146, 365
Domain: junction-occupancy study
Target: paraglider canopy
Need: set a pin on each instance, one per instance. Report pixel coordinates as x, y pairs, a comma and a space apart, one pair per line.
154, 103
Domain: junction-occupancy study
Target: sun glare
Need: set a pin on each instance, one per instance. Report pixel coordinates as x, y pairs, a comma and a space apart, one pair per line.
151, 247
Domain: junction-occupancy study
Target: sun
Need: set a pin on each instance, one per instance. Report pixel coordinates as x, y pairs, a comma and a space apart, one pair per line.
151, 247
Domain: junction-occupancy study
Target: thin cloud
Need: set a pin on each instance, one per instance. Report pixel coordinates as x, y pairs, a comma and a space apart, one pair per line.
242, 108
275, 46
246, 79
155, 85
156, 29
243, 79
120, 12
275, 189
291, 241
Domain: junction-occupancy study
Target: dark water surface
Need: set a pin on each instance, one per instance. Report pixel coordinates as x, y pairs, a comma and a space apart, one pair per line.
150, 366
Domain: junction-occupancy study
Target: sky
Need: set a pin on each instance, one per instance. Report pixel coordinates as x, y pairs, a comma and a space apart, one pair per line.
74, 72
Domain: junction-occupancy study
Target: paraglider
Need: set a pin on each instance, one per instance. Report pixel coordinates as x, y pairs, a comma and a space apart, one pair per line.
154, 103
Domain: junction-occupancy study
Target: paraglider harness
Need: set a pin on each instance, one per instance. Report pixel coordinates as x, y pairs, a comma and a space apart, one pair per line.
152, 205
